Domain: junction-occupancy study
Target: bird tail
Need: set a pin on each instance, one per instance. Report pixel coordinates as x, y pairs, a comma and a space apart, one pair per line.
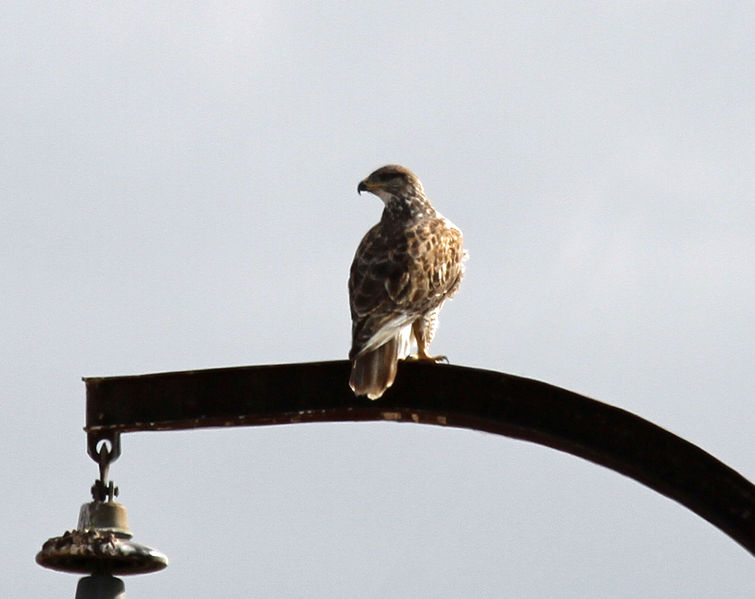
374, 371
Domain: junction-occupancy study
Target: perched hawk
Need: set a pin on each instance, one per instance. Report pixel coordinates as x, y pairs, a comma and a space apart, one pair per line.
404, 269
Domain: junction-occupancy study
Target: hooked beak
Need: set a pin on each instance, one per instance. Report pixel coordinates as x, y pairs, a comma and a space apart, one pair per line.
371, 186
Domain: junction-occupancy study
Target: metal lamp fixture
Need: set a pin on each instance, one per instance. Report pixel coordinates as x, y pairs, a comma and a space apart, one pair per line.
440, 395
101, 544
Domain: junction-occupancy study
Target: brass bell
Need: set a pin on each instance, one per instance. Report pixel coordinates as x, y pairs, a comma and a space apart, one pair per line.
101, 544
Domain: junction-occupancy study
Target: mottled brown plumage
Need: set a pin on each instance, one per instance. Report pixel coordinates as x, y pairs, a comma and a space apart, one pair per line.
406, 266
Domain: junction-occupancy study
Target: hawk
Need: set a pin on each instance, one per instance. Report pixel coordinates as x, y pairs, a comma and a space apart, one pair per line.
405, 267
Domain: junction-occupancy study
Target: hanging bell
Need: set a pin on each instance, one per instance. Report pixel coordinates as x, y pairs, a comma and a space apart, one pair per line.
101, 544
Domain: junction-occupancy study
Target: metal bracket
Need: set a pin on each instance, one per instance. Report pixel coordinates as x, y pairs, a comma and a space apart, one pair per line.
104, 447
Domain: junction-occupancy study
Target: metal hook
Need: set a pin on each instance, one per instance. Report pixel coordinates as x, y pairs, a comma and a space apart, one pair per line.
104, 448
111, 438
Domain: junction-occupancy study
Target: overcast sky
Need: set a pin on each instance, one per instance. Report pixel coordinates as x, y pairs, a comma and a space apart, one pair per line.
178, 187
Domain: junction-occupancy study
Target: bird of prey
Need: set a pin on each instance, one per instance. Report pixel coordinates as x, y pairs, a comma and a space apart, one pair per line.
406, 266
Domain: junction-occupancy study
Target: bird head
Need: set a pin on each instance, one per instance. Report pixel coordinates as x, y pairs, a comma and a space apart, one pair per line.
392, 182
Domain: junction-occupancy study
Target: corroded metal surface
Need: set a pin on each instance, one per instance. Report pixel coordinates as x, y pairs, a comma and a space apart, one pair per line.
432, 394
105, 516
97, 551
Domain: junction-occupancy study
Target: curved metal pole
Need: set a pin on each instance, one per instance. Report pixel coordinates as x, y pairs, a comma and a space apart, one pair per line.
432, 394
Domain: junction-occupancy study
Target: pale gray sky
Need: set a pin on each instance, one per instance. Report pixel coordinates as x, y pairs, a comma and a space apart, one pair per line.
179, 192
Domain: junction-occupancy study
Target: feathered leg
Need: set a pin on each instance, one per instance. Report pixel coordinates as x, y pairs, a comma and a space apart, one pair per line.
423, 330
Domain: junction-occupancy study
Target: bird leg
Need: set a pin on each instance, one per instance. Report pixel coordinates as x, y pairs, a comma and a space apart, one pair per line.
423, 330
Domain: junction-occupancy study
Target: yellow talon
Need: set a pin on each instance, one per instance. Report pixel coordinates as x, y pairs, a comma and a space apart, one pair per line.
422, 356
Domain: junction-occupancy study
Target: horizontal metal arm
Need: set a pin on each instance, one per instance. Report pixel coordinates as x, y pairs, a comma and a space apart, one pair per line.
432, 394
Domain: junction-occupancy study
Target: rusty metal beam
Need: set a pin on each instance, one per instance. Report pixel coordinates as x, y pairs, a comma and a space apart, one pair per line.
431, 394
